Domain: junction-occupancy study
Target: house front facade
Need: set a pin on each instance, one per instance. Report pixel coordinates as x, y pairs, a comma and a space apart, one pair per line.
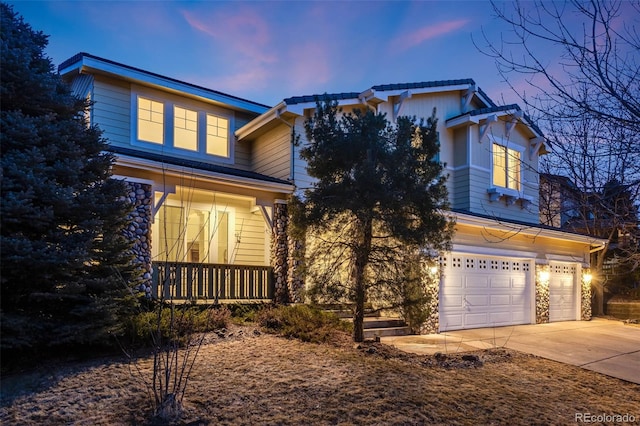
210, 175
505, 268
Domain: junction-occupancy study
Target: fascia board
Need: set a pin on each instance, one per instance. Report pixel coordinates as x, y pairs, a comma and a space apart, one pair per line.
182, 172
421, 90
89, 64
260, 121
300, 108
526, 230
463, 120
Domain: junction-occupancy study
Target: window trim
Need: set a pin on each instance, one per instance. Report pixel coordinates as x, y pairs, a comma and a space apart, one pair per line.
170, 101
513, 147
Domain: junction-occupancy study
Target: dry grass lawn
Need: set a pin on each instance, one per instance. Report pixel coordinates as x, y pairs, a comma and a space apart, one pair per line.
253, 378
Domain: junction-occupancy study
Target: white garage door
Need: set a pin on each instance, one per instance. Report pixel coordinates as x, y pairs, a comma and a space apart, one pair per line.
483, 291
563, 292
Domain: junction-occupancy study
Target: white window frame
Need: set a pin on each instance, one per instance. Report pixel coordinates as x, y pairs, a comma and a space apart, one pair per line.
214, 210
513, 147
170, 101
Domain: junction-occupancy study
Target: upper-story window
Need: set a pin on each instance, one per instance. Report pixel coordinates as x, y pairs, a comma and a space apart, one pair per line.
150, 120
506, 167
189, 127
217, 131
185, 128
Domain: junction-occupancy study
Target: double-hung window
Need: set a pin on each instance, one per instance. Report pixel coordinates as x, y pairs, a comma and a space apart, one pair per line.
506, 167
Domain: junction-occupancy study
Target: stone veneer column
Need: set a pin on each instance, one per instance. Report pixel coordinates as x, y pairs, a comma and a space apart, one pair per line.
585, 295
432, 285
295, 281
280, 252
139, 231
542, 293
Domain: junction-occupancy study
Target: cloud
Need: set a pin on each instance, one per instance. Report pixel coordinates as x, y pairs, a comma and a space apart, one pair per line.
244, 32
414, 38
309, 66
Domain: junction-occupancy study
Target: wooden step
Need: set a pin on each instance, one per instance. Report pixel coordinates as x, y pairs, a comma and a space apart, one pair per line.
372, 333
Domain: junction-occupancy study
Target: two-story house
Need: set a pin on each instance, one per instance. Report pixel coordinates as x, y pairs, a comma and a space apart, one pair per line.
210, 175
505, 268
203, 222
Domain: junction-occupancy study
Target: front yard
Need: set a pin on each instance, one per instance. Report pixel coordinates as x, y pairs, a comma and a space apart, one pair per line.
248, 377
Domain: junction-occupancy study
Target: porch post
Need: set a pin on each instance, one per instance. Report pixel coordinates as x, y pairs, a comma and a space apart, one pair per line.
585, 294
280, 251
139, 232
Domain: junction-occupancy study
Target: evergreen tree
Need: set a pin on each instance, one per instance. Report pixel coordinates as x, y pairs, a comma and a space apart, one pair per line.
61, 214
378, 201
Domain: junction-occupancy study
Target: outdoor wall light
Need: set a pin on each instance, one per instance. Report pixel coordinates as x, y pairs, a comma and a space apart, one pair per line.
433, 270
543, 276
587, 278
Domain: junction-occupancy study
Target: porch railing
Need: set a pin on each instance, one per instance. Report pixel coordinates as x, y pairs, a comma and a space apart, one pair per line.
212, 282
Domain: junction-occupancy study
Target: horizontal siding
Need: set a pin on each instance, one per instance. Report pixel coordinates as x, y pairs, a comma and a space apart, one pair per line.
271, 153
112, 110
301, 178
458, 184
242, 150
254, 238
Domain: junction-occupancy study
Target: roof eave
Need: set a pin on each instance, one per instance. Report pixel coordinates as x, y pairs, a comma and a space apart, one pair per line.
92, 64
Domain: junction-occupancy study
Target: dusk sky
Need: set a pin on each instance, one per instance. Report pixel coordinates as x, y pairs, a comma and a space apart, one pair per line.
266, 51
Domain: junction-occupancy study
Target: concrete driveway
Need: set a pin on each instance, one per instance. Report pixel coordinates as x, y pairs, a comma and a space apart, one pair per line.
605, 346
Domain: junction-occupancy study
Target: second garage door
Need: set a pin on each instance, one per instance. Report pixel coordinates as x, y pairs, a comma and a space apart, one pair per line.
562, 292
483, 291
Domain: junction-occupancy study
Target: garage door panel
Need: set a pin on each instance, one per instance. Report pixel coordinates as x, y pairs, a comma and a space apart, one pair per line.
500, 300
477, 320
476, 282
450, 302
477, 300
483, 291
501, 282
519, 283
452, 322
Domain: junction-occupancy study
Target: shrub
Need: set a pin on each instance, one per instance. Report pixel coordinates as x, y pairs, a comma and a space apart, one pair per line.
304, 322
177, 323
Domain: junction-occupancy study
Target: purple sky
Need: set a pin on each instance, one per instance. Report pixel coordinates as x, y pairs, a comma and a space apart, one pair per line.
266, 51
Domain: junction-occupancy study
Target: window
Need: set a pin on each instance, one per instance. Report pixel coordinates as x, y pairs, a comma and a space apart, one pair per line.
185, 128
217, 135
196, 235
150, 120
506, 167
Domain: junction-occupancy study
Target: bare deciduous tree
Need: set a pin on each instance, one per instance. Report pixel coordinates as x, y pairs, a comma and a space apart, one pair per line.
587, 100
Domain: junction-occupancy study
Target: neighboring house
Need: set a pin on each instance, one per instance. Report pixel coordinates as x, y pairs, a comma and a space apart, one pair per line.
505, 268
205, 218
211, 174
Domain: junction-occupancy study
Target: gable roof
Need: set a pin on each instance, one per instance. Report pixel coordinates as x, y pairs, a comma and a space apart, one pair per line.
85, 62
506, 109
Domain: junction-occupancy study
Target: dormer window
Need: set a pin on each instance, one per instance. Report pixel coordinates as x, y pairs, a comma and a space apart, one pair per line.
506, 167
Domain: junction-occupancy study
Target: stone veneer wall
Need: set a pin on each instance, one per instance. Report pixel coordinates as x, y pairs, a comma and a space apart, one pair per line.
432, 285
280, 252
139, 231
542, 295
585, 296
